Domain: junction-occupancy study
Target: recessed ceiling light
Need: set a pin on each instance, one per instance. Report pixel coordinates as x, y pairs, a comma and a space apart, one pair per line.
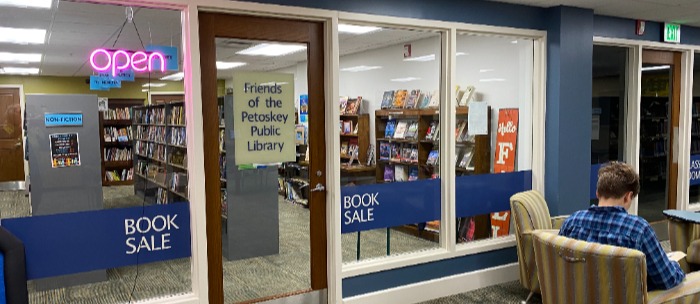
485, 70
356, 29
145, 90
226, 65
27, 3
154, 85
461, 54
430, 57
656, 68
22, 36
174, 77
514, 42
405, 79
272, 49
360, 68
492, 79
19, 57
19, 71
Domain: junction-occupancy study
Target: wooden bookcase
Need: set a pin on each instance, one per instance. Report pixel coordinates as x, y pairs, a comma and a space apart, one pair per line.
160, 153
119, 166
481, 150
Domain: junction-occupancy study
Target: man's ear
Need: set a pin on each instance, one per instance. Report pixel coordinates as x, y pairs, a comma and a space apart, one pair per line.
596, 194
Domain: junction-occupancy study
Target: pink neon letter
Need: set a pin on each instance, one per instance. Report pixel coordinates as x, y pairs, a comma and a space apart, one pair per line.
139, 58
115, 62
94, 64
150, 61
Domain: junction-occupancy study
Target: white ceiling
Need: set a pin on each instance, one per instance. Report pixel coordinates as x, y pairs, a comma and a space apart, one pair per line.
686, 12
75, 29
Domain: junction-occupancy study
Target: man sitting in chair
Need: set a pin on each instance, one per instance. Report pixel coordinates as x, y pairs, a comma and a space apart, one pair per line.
610, 224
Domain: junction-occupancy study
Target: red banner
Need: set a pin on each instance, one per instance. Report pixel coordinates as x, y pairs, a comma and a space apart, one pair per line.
504, 161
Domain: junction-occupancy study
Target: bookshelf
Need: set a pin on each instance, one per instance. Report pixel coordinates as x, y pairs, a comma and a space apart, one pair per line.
116, 142
358, 137
422, 161
160, 152
654, 125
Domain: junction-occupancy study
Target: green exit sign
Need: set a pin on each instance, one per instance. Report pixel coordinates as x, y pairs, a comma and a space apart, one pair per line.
672, 32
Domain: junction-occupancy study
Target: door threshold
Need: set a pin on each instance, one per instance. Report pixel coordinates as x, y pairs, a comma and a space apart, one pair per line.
13, 186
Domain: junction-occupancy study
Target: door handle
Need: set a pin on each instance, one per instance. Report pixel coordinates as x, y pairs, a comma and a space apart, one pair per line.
318, 188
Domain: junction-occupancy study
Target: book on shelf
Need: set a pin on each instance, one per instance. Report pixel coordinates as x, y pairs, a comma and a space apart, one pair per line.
434, 100
431, 133
413, 157
412, 130
413, 173
117, 114
161, 196
222, 141
400, 99
177, 157
460, 129
222, 166
384, 150
400, 173
433, 157
353, 105
177, 115
405, 153
150, 116
178, 182
344, 148
347, 127
389, 173
117, 154
387, 99
224, 202
343, 104
395, 152
370, 155
466, 157
178, 136
390, 128
113, 134
425, 100
412, 99
400, 131
465, 96
119, 175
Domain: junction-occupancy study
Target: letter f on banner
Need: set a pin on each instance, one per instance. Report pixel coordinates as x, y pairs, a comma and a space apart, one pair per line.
503, 152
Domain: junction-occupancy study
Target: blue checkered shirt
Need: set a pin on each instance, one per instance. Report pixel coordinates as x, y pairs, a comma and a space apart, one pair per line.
614, 226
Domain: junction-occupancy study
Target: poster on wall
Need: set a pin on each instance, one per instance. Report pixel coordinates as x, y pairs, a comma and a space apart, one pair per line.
65, 150
102, 104
263, 114
504, 161
304, 109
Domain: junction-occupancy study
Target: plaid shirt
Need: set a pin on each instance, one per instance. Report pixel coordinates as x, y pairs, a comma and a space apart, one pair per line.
614, 226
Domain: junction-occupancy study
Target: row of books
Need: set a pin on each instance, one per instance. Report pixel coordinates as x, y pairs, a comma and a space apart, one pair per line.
347, 127
224, 203
120, 175
154, 116
402, 99
407, 153
117, 114
161, 196
154, 171
152, 133
464, 157
177, 115
222, 140
177, 157
113, 134
349, 147
178, 182
350, 106
222, 166
178, 136
400, 173
402, 129
150, 150
462, 132
117, 154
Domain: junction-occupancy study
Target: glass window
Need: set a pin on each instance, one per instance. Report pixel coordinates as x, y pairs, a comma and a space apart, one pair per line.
493, 135
107, 216
609, 108
389, 129
694, 190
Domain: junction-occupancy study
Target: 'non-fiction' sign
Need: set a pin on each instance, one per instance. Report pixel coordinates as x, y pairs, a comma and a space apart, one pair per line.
263, 115
63, 119
695, 169
65, 150
70, 243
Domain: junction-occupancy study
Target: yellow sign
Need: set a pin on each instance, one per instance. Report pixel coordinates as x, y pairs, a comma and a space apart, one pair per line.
263, 117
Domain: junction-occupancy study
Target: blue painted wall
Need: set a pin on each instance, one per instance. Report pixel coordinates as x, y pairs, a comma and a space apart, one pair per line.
424, 272
568, 118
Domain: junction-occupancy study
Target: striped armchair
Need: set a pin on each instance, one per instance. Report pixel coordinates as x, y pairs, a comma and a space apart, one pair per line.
685, 237
530, 212
573, 271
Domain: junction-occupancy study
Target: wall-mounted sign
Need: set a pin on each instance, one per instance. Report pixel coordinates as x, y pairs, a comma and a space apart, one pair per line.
65, 150
63, 119
263, 115
672, 32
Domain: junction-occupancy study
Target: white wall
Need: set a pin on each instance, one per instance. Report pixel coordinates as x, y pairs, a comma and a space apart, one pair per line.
485, 58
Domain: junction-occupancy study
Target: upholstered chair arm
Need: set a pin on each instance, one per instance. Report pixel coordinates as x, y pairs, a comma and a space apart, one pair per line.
687, 291
558, 221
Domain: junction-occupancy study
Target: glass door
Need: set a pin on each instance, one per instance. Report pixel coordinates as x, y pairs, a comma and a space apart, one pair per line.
263, 97
659, 119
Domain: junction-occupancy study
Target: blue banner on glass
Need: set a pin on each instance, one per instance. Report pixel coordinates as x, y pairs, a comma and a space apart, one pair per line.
83, 241
695, 169
594, 180
63, 119
487, 193
170, 53
375, 206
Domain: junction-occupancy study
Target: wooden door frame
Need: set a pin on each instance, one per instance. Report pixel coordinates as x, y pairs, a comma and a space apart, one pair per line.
311, 33
22, 106
674, 59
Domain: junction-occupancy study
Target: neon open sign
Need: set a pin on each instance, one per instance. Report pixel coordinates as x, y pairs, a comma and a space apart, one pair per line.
118, 60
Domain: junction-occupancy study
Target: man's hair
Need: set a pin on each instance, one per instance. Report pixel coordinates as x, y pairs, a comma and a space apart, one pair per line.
615, 179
